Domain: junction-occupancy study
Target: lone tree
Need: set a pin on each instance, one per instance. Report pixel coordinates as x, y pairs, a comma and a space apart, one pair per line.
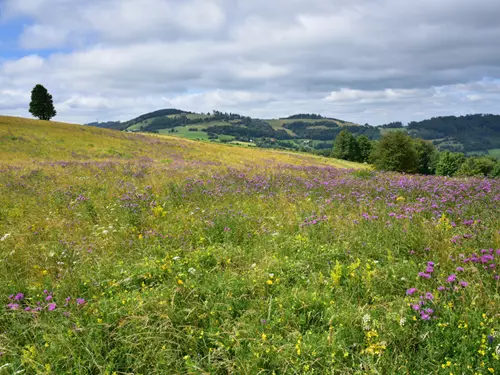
41, 104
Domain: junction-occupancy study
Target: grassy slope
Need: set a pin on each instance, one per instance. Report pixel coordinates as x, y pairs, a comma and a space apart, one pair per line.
200, 258
27, 140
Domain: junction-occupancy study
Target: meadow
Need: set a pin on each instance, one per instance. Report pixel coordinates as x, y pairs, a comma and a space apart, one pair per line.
139, 254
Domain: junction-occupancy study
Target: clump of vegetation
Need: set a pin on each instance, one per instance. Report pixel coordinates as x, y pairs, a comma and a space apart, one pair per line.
397, 151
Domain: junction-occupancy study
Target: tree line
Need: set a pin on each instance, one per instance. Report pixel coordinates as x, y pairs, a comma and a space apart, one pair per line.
399, 152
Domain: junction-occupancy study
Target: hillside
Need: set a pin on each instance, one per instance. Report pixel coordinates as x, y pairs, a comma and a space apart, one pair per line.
26, 140
472, 134
299, 132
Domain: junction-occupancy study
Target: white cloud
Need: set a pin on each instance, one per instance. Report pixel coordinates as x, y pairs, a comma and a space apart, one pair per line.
42, 36
364, 60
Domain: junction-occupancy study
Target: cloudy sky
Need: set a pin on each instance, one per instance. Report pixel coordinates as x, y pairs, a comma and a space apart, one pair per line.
369, 61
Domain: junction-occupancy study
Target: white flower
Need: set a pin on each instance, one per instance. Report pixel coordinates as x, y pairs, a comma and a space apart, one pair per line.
105, 231
5, 237
176, 258
271, 275
402, 322
497, 350
192, 271
366, 319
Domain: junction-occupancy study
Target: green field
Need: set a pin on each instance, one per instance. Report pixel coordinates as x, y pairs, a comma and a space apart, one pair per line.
495, 152
125, 253
184, 132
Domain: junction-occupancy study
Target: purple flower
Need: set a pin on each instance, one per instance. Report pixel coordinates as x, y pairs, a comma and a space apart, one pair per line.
441, 288
48, 298
425, 317
460, 269
410, 291
13, 306
429, 269
429, 311
52, 306
80, 301
429, 296
19, 296
27, 308
451, 278
424, 275
415, 307
464, 283
430, 264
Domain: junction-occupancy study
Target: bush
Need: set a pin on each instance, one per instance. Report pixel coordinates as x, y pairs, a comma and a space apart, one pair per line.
449, 163
395, 152
476, 167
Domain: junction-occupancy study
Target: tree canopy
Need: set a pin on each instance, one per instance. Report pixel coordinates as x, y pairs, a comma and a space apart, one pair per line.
42, 105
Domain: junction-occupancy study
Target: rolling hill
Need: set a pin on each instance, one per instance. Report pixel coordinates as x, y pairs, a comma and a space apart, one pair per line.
471, 134
33, 141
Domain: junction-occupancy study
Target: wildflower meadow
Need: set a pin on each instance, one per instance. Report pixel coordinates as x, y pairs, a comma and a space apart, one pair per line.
133, 254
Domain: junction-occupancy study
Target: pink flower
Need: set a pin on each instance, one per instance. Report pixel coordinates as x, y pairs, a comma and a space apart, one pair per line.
13, 306
464, 283
451, 278
52, 306
410, 291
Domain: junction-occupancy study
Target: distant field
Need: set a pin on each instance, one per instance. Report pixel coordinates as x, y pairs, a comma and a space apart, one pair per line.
185, 133
278, 123
495, 152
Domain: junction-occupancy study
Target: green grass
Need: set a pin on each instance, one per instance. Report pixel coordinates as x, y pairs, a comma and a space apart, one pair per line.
184, 132
202, 258
495, 152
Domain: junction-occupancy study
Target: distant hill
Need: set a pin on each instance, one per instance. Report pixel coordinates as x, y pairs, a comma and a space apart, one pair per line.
116, 125
479, 133
313, 132
305, 132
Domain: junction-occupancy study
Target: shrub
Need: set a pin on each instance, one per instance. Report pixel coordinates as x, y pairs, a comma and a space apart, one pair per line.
395, 152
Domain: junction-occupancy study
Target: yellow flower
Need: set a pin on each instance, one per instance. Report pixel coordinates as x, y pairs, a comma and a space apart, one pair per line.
180, 282
264, 337
400, 198
269, 282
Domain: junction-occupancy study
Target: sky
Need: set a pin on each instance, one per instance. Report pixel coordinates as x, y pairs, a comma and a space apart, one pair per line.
366, 61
